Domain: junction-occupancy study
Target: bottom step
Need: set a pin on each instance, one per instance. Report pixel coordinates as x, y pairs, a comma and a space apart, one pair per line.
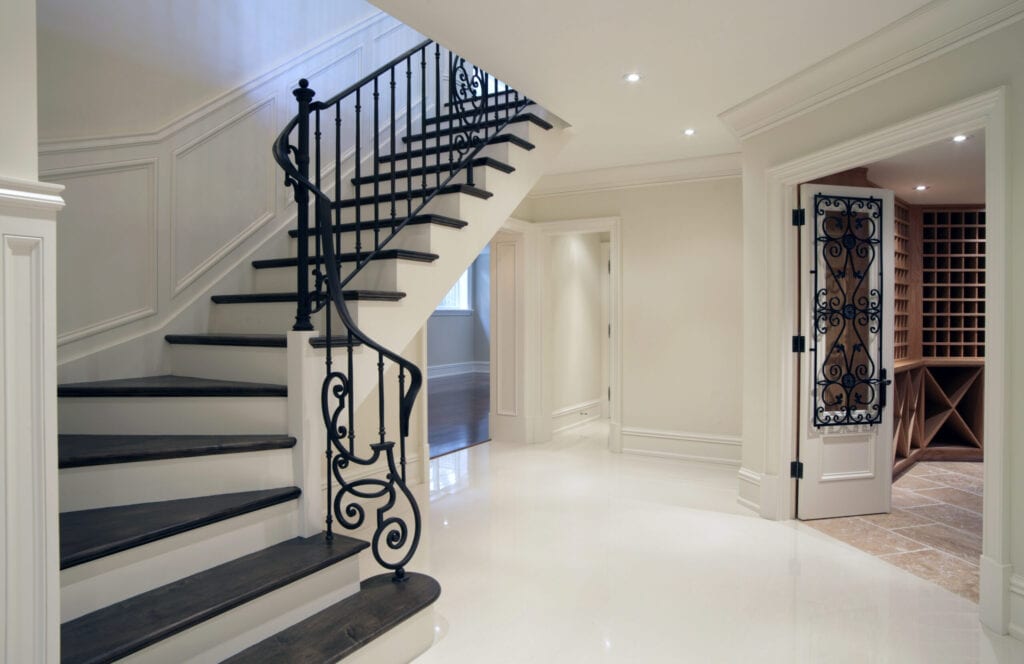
343, 628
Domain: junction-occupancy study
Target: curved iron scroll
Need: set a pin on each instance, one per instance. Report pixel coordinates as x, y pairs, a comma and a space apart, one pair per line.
849, 381
383, 501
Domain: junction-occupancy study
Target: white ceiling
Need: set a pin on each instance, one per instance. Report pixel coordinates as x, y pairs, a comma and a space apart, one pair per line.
953, 172
697, 57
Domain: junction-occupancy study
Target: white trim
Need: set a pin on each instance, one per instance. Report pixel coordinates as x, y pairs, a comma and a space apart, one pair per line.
575, 415
457, 369
749, 476
1016, 599
683, 445
716, 439
18, 195
48, 146
868, 61
639, 175
985, 111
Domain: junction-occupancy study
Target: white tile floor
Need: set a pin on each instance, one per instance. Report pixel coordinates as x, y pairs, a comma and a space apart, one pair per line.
564, 552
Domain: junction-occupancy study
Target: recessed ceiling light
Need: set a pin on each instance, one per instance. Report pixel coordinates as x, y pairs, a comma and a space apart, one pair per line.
689, 132
632, 77
960, 138
921, 187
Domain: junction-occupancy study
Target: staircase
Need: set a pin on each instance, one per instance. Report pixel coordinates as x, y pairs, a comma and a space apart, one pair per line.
183, 533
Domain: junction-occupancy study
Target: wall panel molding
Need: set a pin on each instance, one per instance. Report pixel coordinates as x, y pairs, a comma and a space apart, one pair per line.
682, 445
150, 305
181, 282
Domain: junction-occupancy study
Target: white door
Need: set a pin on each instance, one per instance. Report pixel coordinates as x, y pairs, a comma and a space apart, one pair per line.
846, 318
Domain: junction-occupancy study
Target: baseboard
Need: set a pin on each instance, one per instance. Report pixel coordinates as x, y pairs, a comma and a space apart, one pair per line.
749, 489
572, 416
998, 585
1015, 625
457, 369
684, 446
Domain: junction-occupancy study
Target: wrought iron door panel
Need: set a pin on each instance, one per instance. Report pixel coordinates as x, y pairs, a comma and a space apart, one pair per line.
849, 378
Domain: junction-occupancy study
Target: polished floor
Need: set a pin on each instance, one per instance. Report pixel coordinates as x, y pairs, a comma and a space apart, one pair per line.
458, 408
934, 529
564, 552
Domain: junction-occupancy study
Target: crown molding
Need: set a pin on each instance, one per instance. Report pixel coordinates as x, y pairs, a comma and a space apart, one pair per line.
64, 145
639, 175
935, 29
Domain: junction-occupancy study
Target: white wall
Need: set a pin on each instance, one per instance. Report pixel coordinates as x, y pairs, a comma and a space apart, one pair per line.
116, 67
573, 330
987, 63
153, 222
18, 133
681, 311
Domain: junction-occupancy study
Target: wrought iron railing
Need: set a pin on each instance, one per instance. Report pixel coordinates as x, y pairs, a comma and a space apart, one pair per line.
458, 110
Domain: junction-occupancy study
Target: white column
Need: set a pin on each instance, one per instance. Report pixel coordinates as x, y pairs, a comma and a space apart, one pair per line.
29, 545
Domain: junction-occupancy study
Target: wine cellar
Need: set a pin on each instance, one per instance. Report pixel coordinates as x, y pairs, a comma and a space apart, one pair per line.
939, 330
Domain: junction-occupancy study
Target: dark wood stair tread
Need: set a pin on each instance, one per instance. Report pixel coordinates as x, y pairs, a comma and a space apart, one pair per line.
91, 534
251, 340
250, 298
344, 627
403, 174
385, 198
351, 257
496, 105
78, 450
447, 131
417, 220
171, 386
443, 149
128, 626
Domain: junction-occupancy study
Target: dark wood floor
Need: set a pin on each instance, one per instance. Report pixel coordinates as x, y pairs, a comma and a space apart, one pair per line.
458, 410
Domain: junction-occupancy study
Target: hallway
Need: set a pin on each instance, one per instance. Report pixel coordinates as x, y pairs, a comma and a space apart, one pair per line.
564, 552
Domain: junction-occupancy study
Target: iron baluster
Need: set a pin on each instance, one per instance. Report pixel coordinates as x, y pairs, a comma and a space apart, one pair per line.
303, 95
423, 117
403, 431
358, 161
408, 133
437, 112
376, 166
380, 393
394, 148
451, 141
337, 176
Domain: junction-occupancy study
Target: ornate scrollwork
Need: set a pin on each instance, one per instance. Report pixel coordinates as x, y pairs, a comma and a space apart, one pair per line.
468, 89
395, 539
847, 311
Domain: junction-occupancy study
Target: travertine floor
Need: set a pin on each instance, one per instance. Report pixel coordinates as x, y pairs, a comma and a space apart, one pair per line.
565, 552
934, 530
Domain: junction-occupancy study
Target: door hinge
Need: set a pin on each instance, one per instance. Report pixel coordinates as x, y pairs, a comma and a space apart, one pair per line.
799, 344
609, 330
796, 470
609, 394
609, 266
798, 217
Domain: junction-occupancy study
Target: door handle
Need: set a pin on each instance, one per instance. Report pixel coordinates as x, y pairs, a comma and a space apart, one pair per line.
883, 388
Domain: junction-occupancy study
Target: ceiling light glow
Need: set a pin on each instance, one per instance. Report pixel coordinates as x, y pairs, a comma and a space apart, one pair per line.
960, 138
632, 77
689, 132
921, 187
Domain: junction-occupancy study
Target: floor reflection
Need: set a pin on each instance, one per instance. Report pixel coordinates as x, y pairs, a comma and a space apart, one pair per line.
458, 412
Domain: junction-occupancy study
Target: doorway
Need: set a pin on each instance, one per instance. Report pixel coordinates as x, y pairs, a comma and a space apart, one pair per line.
458, 363
934, 527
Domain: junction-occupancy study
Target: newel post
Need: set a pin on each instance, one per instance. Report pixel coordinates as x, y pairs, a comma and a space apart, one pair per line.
304, 95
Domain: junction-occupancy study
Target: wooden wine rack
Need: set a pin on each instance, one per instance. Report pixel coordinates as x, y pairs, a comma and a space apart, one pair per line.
938, 329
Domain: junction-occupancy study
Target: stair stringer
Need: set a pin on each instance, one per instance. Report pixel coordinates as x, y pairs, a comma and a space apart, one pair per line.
425, 284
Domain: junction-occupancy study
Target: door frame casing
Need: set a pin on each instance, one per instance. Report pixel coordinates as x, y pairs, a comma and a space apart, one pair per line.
536, 402
985, 111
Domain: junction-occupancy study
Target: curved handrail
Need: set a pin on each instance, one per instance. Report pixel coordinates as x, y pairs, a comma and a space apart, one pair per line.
391, 531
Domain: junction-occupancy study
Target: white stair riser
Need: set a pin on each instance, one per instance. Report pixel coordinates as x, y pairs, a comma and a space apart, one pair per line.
402, 643
480, 175
520, 129
225, 635
93, 585
247, 363
266, 318
414, 238
173, 415
498, 151
92, 487
378, 275
446, 204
